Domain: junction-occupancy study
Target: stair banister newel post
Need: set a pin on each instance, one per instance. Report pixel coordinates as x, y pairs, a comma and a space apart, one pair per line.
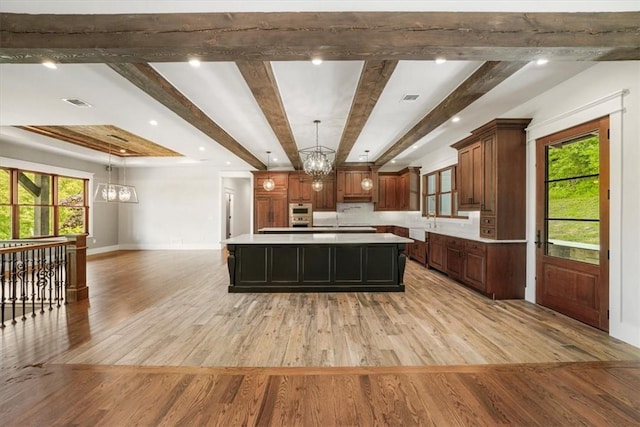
77, 268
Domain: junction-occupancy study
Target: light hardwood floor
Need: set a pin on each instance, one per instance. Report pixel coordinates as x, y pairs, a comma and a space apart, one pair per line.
162, 342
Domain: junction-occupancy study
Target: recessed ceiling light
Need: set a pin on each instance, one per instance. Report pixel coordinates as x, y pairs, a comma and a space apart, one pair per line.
195, 63
316, 61
50, 64
201, 148
122, 150
414, 146
153, 122
541, 61
440, 60
275, 159
228, 162
456, 119
393, 161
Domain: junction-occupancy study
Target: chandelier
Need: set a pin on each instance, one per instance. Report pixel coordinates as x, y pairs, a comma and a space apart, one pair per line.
116, 193
317, 161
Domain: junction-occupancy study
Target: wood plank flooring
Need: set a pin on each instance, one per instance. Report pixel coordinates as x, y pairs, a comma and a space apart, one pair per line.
161, 342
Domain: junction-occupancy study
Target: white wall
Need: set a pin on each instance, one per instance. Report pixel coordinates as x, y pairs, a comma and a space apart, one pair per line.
606, 89
179, 209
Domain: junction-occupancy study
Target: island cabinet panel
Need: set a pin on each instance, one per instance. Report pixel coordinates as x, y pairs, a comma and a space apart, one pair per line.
498, 270
316, 268
492, 177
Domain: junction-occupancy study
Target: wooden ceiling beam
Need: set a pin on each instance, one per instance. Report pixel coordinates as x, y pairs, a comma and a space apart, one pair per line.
485, 78
373, 79
153, 84
260, 79
173, 37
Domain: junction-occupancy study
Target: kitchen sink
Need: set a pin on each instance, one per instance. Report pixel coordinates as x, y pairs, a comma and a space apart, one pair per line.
417, 234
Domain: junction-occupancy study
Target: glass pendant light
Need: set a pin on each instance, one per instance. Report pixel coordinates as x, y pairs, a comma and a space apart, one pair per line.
268, 183
367, 183
317, 185
119, 193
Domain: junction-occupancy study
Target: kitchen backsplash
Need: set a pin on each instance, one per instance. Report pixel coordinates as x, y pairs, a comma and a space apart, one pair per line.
363, 214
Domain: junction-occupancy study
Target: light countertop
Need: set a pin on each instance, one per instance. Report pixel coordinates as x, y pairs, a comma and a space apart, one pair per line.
315, 239
470, 236
323, 229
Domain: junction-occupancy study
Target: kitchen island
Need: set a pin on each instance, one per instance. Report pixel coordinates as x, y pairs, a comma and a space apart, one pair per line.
318, 262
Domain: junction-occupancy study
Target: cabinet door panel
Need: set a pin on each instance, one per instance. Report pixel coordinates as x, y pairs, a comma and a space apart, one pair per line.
262, 212
475, 270
279, 211
488, 176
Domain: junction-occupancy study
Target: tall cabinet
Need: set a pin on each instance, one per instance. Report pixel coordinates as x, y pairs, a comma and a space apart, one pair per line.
492, 177
270, 207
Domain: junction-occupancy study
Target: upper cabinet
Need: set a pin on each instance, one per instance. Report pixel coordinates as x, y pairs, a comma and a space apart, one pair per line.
492, 177
349, 185
325, 199
300, 188
399, 191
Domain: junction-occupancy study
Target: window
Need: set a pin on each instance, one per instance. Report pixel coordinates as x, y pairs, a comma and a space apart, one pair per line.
34, 204
440, 194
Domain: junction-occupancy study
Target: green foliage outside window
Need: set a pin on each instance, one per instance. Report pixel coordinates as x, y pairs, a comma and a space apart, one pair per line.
36, 205
576, 196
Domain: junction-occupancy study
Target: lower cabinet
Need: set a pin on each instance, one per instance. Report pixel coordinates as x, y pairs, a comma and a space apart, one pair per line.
419, 252
498, 270
436, 253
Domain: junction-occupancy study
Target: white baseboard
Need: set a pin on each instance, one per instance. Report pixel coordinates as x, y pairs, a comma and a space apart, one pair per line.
103, 250
168, 246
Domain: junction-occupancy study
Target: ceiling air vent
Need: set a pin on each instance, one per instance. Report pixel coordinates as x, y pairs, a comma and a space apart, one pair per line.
77, 102
410, 97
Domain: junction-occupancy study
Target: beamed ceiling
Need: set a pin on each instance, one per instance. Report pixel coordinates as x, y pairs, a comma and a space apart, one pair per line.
256, 90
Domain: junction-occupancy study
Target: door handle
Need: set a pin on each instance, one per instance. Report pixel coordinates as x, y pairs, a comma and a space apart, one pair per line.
538, 241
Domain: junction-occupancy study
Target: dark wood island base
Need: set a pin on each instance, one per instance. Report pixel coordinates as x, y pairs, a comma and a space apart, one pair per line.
327, 265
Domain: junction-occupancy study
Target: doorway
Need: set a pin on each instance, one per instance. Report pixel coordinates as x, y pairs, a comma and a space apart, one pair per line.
572, 222
228, 215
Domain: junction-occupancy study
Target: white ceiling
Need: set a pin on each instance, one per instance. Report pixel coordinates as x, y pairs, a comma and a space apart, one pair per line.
31, 94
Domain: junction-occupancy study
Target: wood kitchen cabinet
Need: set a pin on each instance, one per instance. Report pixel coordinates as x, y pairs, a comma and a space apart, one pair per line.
300, 188
387, 192
325, 199
492, 177
436, 252
399, 191
271, 208
497, 270
349, 188
419, 252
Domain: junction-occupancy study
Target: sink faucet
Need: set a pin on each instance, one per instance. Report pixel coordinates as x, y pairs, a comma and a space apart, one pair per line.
431, 216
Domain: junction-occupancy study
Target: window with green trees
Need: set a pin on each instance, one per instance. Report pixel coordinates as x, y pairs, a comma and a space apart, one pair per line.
573, 198
34, 204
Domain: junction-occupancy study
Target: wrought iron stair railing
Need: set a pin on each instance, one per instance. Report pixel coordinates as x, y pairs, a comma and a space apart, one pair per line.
33, 277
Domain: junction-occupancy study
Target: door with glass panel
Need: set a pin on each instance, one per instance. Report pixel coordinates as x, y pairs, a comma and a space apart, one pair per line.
572, 222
